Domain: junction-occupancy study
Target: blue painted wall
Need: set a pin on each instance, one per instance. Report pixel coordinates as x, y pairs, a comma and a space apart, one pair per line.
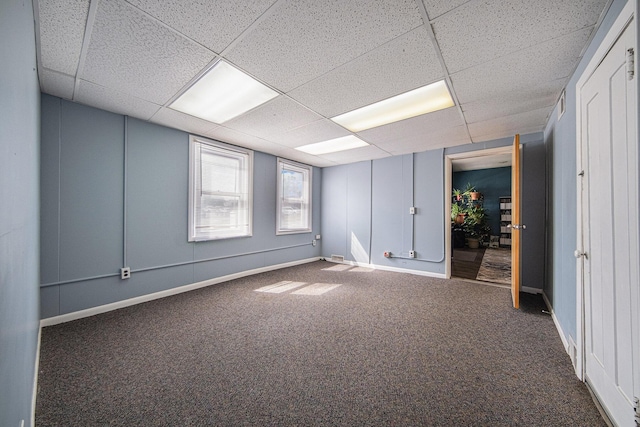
19, 216
397, 183
365, 211
346, 204
560, 141
115, 194
493, 184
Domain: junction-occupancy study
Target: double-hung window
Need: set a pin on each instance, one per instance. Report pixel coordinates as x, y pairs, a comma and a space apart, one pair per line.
220, 190
294, 197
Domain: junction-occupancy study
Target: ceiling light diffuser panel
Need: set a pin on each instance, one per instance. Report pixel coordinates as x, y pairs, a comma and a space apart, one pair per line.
425, 99
223, 93
331, 146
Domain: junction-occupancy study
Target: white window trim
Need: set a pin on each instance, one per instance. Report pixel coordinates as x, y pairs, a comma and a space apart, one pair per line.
219, 235
302, 167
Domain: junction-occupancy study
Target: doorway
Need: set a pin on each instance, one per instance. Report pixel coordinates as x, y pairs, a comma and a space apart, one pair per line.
486, 218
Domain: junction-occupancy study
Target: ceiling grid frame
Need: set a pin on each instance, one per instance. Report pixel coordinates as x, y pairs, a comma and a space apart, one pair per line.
409, 135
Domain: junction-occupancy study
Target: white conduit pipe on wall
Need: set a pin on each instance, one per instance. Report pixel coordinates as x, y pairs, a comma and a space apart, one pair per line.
64, 282
413, 234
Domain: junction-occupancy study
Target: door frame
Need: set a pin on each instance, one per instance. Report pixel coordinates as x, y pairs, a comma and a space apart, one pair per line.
448, 188
620, 24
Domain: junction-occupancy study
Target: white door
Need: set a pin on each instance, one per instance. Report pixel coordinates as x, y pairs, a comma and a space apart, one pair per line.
609, 197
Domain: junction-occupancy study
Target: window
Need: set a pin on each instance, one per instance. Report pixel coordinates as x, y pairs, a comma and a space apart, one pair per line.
294, 197
220, 190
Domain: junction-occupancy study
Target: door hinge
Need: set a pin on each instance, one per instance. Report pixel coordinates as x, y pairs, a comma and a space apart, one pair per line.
636, 410
630, 63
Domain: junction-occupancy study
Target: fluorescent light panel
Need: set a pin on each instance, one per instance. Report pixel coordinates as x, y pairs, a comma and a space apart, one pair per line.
416, 102
223, 93
331, 146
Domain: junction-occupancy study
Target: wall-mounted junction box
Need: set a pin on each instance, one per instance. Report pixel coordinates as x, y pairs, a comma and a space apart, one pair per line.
412, 254
387, 254
412, 210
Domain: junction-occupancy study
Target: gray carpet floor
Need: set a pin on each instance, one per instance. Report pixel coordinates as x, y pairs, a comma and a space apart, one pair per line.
383, 348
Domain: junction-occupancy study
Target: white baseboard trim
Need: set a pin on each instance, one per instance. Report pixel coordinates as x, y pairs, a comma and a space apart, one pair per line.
394, 269
563, 337
36, 370
55, 320
530, 290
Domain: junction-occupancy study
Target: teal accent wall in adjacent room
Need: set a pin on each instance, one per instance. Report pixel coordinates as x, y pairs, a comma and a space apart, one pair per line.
115, 194
19, 214
493, 184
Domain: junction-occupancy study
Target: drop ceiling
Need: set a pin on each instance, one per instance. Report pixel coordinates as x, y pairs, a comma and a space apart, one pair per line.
506, 64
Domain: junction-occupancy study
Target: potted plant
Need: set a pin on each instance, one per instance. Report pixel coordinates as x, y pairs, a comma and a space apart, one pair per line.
476, 226
457, 193
471, 191
457, 214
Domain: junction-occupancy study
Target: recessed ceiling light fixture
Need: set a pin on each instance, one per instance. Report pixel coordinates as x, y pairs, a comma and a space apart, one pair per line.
425, 99
223, 93
331, 146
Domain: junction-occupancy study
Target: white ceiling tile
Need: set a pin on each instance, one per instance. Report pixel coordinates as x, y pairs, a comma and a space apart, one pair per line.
370, 152
521, 72
491, 161
435, 130
523, 123
56, 84
509, 61
306, 158
435, 8
62, 24
185, 122
437, 138
403, 64
133, 53
273, 118
415, 131
482, 30
234, 137
508, 132
197, 19
114, 101
304, 39
539, 97
321, 130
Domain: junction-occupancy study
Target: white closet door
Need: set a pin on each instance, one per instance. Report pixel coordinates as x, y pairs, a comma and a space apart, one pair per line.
610, 232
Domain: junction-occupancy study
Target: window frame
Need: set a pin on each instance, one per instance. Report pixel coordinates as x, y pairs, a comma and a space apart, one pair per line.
246, 156
298, 167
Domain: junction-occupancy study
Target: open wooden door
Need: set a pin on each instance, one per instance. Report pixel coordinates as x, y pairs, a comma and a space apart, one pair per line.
516, 227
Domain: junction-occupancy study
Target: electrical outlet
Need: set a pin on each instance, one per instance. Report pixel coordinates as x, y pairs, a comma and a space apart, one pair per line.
412, 254
313, 242
125, 273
